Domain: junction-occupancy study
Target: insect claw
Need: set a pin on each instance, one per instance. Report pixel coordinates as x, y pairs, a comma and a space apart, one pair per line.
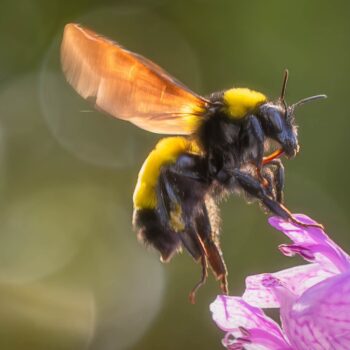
299, 223
192, 295
320, 226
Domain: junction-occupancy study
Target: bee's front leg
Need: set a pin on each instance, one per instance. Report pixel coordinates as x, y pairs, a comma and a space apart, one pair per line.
257, 137
256, 189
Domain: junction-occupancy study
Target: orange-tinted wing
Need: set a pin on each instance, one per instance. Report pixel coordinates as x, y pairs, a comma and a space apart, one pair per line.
126, 85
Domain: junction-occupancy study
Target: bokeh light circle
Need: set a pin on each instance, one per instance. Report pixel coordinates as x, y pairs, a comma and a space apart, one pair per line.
40, 233
78, 230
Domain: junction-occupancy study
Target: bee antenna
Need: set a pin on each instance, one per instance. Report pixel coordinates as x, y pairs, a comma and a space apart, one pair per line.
283, 92
284, 85
306, 100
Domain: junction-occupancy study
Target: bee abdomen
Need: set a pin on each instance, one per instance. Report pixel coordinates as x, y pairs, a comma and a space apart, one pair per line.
165, 153
151, 231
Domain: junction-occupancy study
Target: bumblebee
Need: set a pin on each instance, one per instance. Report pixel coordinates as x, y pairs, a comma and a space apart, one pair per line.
221, 145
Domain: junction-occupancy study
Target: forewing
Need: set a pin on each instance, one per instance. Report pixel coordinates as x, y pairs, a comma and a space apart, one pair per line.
127, 85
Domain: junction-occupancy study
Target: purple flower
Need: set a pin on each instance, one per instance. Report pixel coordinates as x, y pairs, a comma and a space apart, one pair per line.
246, 326
314, 299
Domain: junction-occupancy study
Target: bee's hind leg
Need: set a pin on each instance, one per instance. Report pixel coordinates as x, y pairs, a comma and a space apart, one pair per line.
204, 275
210, 240
185, 184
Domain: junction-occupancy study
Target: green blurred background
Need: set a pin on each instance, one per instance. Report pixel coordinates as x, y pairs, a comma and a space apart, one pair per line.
72, 274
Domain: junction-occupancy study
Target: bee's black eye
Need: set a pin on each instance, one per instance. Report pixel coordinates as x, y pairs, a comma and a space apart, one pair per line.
272, 118
275, 119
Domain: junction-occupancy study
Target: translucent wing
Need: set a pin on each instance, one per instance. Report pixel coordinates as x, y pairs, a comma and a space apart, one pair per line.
128, 86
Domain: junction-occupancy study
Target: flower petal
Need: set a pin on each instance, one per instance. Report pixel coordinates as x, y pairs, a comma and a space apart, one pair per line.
320, 319
298, 279
312, 244
246, 325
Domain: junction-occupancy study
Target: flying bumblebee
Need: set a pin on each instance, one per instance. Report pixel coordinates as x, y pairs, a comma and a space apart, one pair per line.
223, 147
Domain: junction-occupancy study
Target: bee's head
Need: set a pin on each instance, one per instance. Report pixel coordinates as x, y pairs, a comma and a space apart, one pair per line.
279, 125
277, 120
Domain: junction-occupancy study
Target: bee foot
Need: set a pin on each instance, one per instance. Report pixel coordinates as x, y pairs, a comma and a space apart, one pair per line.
299, 223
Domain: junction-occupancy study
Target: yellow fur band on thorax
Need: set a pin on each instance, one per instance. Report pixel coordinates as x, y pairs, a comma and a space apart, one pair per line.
240, 102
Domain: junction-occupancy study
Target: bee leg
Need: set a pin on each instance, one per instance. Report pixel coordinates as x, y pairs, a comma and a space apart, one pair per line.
217, 263
152, 224
187, 179
279, 178
204, 263
172, 214
269, 182
192, 227
167, 197
212, 248
185, 183
259, 137
180, 182
256, 189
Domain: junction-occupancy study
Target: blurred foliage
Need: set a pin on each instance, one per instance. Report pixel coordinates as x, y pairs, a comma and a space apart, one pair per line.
72, 274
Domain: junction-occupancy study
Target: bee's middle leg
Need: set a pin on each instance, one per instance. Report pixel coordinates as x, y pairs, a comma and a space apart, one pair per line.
173, 213
276, 179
